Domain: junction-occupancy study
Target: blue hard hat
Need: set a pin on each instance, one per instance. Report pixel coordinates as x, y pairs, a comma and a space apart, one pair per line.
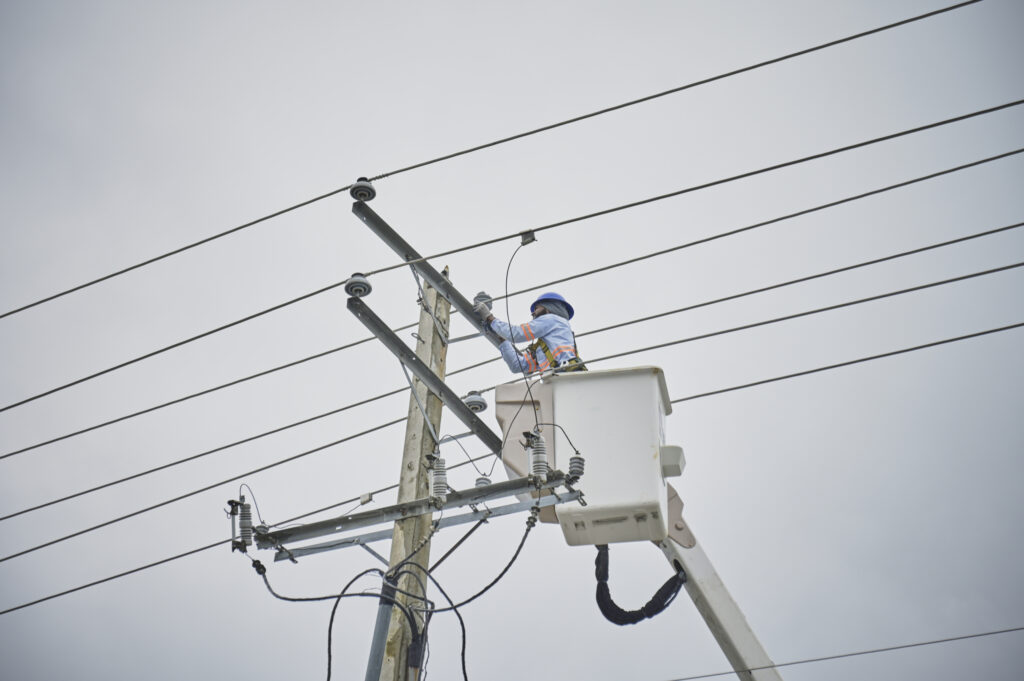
551, 295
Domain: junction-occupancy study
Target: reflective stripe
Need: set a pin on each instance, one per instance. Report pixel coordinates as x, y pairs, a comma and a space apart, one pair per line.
561, 349
531, 363
527, 331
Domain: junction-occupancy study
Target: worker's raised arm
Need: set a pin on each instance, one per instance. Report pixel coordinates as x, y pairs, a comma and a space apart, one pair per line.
517, 362
530, 331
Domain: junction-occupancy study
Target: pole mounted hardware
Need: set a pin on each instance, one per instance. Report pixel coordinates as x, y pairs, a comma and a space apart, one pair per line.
423, 268
454, 499
362, 540
358, 285
475, 401
447, 396
362, 190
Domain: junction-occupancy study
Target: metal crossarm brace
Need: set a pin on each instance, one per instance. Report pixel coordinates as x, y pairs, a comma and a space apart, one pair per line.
447, 396
425, 269
454, 499
472, 516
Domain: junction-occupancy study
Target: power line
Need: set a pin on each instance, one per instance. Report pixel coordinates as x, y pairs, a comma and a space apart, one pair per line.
764, 223
605, 268
838, 656
195, 551
176, 251
692, 397
828, 308
681, 88
503, 140
200, 490
117, 576
172, 346
553, 225
683, 399
687, 308
849, 363
206, 453
706, 185
200, 393
810, 277
744, 327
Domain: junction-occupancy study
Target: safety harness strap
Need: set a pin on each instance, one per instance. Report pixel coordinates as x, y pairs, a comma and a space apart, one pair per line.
574, 364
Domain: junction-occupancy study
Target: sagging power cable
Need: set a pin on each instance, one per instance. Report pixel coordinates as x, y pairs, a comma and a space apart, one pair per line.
851, 362
530, 523
546, 285
686, 308
518, 235
201, 549
417, 631
180, 497
798, 315
683, 399
839, 656
706, 185
503, 140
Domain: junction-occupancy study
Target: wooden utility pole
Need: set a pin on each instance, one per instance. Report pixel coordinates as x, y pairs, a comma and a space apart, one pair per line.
414, 481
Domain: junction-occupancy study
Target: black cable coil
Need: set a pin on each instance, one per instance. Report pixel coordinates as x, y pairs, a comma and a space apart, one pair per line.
613, 613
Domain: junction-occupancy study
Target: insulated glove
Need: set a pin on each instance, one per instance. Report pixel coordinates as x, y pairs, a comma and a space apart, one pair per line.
483, 310
483, 298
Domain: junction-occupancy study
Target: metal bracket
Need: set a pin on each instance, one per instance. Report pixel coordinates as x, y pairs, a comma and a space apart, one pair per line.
393, 343
455, 499
677, 528
473, 516
423, 410
425, 269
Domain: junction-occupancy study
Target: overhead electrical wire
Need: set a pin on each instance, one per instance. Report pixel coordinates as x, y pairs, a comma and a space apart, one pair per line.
706, 185
691, 397
591, 361
518, 235
503, 140
693, 306
798, 315
678, 89
765, 223
604, 268
838, 656
850, 362
185, 398
203, 489
205, 453
200, 549
176, 251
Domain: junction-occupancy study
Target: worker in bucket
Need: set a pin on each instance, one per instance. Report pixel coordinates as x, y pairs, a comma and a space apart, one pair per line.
552, 342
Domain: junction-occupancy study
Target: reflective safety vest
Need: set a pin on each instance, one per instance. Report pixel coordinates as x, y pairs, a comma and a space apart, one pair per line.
552, 345
572, 364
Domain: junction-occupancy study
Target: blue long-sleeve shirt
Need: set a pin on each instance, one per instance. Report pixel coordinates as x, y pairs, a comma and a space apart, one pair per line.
552, 329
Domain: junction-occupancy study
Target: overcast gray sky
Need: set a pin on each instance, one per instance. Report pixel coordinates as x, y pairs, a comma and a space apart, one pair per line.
862, 507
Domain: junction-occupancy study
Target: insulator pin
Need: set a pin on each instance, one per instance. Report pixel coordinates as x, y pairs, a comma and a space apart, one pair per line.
245, 524
537, 451
576, 464
482, 481
439, 480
